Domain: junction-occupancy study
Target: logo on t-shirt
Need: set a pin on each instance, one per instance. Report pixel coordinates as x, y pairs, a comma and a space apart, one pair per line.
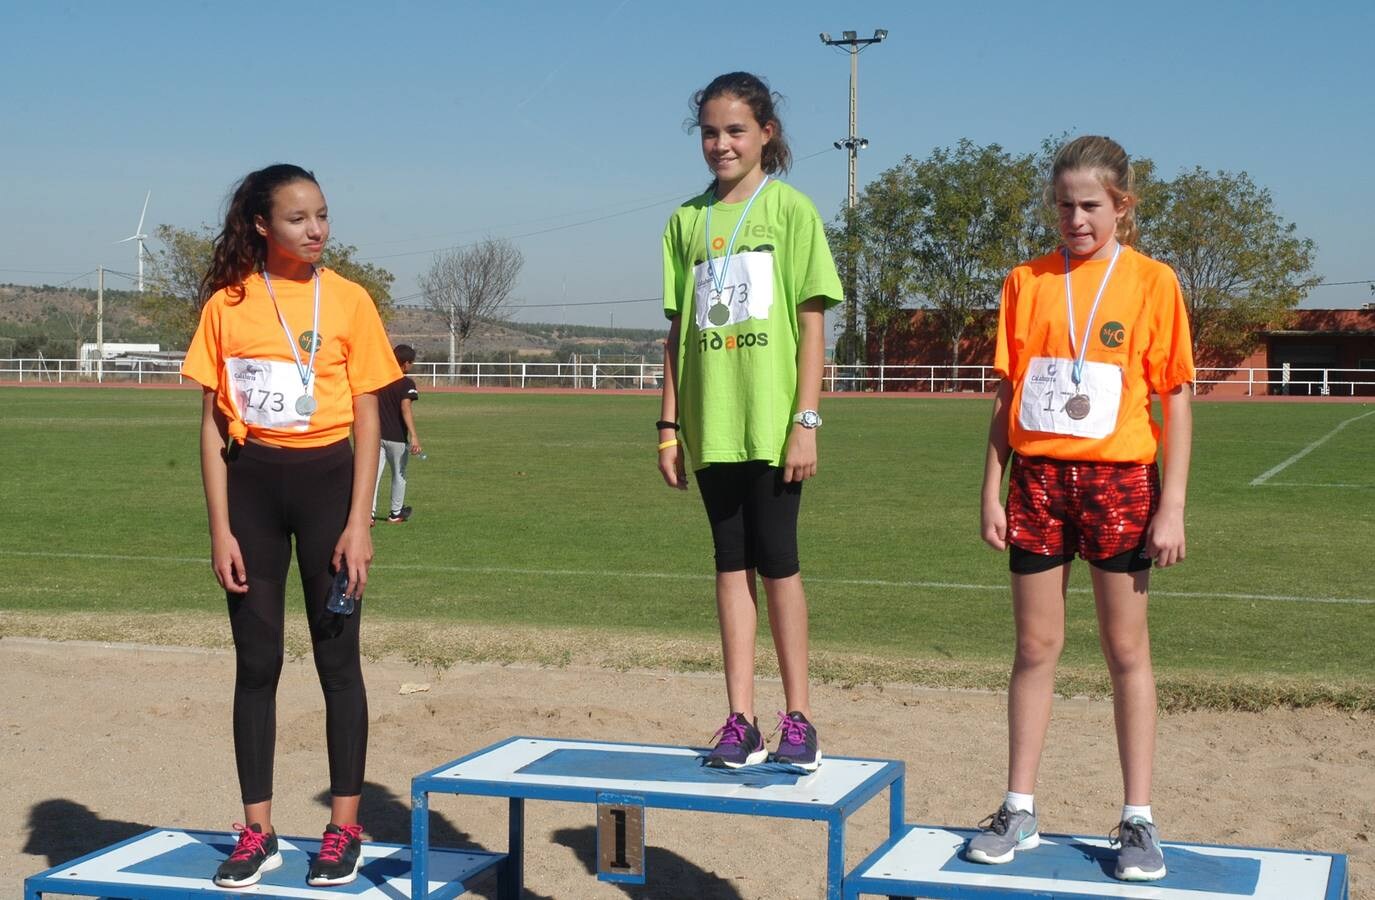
1112, 334
309, 341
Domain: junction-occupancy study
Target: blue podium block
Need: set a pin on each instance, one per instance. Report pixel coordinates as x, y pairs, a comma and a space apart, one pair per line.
654, 777
929, 863
169, 864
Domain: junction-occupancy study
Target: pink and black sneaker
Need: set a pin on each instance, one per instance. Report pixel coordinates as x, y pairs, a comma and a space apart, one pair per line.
738, 744
254, 854
797, 746
341, 854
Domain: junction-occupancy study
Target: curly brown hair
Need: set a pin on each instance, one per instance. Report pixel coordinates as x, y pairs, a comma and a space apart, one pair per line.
239, 250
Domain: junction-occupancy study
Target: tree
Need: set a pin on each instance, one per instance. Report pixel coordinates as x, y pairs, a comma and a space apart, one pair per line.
470, 286
376, 280
874, 241
172, 300
971, 205
1241, 267
78, 311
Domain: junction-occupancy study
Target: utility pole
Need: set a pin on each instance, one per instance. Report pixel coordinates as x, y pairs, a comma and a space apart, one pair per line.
100, 323
852, 144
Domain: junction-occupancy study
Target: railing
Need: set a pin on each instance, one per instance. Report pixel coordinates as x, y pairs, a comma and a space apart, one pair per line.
1287, 380
595, 376
91, 371
605, 376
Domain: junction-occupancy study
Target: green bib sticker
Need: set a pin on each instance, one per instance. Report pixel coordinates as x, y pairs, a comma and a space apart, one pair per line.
1112, 334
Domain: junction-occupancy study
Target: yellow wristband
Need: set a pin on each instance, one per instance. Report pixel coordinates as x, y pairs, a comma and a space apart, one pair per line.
664, 445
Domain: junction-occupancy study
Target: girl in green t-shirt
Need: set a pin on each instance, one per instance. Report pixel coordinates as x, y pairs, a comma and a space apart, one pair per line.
747, 278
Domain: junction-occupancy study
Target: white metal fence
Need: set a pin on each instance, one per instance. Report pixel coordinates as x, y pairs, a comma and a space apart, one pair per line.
601, 376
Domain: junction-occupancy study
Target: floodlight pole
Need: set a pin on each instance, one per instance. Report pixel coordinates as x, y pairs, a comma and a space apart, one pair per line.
852, 144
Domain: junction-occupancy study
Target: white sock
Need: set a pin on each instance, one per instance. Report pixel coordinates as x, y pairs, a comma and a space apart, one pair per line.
1020, 802
1141, 812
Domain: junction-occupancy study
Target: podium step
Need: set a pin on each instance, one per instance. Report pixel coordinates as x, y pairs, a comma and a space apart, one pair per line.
168, 864
928, 862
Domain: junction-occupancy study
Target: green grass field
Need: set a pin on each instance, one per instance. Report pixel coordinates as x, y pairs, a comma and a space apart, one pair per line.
547, 511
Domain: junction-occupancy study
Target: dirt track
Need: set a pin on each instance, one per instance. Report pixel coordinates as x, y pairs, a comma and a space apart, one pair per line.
101, 742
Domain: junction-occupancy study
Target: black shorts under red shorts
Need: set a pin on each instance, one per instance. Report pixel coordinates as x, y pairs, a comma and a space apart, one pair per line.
1097, 510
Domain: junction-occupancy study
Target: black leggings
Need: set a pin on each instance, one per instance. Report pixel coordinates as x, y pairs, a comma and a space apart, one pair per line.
273, 495
753, 516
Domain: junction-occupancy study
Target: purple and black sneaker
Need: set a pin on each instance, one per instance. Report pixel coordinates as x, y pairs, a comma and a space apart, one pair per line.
738, 744
797, 746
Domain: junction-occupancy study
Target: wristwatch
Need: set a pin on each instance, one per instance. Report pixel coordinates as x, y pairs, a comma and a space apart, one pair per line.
808, 418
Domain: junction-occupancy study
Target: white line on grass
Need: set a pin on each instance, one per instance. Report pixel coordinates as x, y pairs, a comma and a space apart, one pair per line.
682, 576
1266, 476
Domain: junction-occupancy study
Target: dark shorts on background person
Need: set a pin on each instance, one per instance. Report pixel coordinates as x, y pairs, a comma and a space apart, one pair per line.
753, 515
1057, 509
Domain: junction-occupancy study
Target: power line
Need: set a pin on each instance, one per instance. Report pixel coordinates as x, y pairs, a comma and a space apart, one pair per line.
77, 278
585, 303
402, 300
43, 272
527, 234
514, 237
1340, 283
525, 222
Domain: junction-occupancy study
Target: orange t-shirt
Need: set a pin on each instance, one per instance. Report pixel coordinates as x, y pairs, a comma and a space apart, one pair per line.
240, 351
1141, 328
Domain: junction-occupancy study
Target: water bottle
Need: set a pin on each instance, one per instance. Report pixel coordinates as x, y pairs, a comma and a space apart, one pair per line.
340, 602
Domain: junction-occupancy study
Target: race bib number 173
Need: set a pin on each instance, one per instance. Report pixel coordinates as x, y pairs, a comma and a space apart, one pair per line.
265, 393
1049, 395
746, 291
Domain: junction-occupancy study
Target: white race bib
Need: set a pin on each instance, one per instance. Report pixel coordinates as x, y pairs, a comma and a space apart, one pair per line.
746, 292
1048, 389
265, 392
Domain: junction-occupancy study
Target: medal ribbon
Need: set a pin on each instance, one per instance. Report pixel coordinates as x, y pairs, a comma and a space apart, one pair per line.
1077, 371
719, 282
307, 371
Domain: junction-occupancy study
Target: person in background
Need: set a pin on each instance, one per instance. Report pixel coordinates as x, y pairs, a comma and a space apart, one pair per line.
399, 437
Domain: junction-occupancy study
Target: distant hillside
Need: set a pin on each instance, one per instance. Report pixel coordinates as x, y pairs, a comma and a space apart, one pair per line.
55, 320
424, 330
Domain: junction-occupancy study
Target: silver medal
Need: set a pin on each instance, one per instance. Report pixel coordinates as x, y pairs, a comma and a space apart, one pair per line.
305, 405
1077, 407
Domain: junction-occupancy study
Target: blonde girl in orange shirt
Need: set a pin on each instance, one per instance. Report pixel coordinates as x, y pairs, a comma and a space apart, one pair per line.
289, 355
1085, 336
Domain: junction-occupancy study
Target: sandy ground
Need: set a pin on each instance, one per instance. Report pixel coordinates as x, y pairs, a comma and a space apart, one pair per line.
101, 742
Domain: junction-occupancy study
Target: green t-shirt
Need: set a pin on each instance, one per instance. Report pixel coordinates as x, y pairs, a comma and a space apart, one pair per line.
737, 349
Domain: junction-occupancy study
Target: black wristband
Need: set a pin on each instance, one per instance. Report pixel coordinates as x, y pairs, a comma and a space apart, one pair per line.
664, 423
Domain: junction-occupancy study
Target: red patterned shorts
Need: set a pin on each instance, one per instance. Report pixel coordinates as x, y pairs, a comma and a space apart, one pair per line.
1058, 507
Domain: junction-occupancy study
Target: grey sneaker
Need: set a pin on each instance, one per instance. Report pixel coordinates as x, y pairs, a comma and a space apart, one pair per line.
1004, 833
1139, 857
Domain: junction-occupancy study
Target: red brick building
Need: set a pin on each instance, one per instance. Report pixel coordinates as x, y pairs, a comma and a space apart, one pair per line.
1326, 351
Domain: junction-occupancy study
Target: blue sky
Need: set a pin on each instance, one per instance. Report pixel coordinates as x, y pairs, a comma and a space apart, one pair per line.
435, 124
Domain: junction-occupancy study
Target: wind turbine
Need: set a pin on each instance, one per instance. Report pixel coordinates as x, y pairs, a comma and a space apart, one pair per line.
139, 236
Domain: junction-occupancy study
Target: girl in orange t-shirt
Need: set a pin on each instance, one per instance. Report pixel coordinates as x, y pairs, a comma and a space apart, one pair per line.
289, 355
1085, 336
